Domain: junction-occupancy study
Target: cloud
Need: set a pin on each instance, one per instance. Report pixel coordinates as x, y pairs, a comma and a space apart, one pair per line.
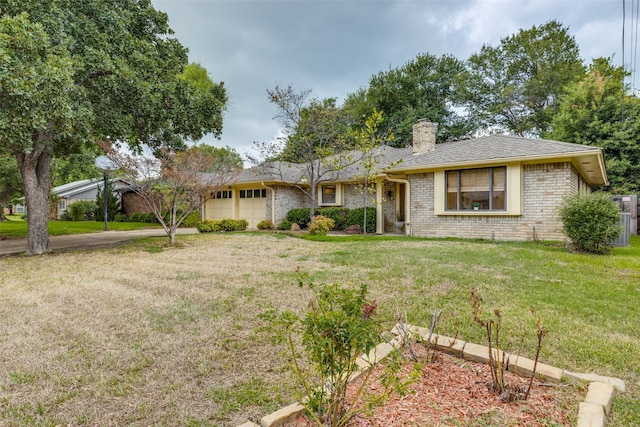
334, 46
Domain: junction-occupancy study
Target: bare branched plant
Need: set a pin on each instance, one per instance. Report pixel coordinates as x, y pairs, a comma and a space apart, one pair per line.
492, 329
497, 356
173, 184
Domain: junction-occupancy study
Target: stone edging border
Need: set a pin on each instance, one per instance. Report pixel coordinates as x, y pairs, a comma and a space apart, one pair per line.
593, 411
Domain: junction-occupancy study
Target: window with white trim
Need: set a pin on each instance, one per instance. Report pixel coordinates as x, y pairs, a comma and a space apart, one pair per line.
330, 195
482, 189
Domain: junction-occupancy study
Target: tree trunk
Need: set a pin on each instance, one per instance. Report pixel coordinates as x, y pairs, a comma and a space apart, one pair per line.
35, 168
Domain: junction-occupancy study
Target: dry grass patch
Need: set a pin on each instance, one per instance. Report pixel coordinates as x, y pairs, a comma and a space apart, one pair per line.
149, 335
126, 336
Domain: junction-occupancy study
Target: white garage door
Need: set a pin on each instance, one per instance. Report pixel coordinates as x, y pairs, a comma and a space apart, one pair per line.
252, 205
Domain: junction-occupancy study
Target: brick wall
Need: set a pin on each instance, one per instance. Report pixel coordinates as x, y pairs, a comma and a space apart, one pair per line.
286, 198
353, 197
131, 203
544, 187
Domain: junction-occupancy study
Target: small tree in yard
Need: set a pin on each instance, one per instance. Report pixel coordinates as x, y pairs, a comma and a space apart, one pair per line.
174, 184
369, 142
312, 150
591, 221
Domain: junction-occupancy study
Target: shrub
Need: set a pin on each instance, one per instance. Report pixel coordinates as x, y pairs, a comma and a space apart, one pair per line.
285, 225
151, 218
76, 211
192, 219
137, 217
321, 225
300, 216
341, 324
265, 224
213, 225
208, 226
591, 221
120, 217
356, 216
233, 224
82, 210
338, 215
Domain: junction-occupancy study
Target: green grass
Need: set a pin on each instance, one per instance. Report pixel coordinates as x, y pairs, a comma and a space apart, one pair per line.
169, 329
16, 228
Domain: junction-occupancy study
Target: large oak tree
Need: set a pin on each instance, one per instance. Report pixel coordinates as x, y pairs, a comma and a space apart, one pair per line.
77, 72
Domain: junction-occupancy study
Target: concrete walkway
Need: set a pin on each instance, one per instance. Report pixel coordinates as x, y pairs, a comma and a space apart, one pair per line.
103, 238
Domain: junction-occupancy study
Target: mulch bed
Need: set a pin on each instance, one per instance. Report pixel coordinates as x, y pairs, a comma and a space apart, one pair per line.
454, 392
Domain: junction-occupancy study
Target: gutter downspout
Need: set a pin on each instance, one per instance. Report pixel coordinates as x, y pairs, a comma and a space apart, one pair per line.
407, 202
273, 203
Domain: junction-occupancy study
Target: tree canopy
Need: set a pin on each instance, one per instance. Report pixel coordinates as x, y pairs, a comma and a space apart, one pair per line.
425, 87
77, 72
517, 85
598, 111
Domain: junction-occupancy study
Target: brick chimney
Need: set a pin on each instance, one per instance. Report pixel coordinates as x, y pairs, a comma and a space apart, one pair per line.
424, 136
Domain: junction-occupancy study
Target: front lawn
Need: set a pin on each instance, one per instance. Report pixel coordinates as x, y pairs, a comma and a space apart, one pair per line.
150, 335
17, 229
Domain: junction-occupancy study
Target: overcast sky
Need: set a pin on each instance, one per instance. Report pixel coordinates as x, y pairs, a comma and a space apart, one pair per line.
333, 47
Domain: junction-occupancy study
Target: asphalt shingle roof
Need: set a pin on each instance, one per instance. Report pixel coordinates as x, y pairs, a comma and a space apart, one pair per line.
469, 151
493, 147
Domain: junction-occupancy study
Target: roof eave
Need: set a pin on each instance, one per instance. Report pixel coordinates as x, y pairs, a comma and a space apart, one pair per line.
599, 178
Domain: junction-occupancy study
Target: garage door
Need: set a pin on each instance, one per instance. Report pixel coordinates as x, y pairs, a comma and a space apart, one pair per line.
220, 207
252, 205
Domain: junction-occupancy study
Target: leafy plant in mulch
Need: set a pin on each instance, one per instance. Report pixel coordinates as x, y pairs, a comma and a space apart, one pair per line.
341, 324
497, 355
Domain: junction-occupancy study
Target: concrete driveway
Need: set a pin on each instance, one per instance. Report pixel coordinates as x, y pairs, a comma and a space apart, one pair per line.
88, 240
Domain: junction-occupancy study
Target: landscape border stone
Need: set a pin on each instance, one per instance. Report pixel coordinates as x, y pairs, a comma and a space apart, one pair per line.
592, 412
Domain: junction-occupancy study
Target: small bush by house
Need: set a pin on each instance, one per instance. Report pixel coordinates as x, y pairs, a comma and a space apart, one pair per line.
591, 221
321, 225
212, 225
265, 224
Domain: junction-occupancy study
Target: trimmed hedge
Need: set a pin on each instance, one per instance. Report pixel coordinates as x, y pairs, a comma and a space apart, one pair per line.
191, 220
300, 216
265, 224
356, 216
342, 217
213, 225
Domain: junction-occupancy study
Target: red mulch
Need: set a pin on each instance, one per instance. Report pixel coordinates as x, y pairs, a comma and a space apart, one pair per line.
453, 392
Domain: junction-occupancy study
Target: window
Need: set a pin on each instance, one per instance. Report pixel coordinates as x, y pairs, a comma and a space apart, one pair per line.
253, 194
224, 194
62, 205
476, 189
329, 193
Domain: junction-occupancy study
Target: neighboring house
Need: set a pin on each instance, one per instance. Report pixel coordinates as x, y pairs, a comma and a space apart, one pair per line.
86, 189
494, 187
